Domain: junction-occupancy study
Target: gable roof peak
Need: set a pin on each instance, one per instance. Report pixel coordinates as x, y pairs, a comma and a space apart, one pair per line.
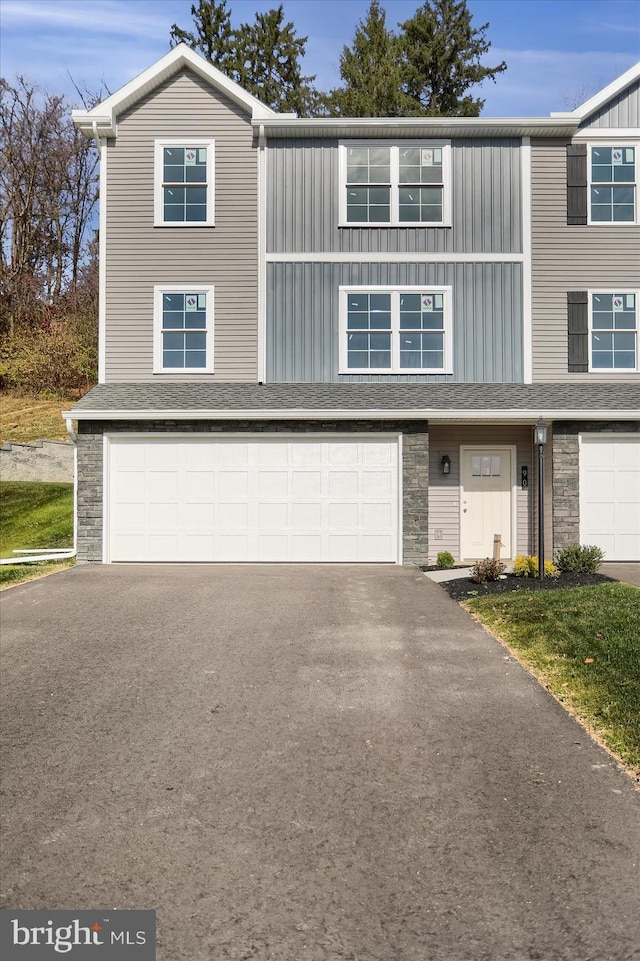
105, 114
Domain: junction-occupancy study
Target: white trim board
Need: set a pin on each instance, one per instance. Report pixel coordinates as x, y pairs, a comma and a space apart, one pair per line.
527, 268
471, 415
408, 257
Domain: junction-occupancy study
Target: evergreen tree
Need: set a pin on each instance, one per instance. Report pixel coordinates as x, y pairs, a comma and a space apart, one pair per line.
441, 53
371, 72
269, 53
213, 37
263, 56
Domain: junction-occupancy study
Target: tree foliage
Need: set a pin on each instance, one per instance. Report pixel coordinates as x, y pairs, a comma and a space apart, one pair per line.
427, 69
263, 56
441, 53
371, 71
48, 194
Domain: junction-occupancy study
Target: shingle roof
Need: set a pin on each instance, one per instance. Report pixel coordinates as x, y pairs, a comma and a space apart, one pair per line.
427, 399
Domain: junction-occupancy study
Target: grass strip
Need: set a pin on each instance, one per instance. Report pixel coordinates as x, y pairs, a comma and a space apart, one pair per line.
584, 644
34, 515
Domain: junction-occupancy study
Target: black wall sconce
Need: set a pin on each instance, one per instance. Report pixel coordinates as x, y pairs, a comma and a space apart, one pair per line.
445, 464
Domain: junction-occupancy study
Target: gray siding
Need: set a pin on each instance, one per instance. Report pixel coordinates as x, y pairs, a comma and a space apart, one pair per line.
303, 319
570, 258
140, 255
623, 111
304, 190
444, 491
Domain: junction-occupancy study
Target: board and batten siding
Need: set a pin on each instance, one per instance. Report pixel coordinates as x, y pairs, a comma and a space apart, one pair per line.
622, 111
140, 255
568, 258
304, 191
444, 490
303, 301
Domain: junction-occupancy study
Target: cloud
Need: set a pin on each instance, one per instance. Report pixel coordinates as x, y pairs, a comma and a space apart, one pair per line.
108, 16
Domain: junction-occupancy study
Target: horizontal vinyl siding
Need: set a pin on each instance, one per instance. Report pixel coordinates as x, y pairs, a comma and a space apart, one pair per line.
624, 111
569, 258
304, 190
303, 319
444, 490
141, 255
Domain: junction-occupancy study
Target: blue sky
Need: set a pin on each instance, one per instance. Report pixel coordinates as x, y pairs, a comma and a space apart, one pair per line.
559, 52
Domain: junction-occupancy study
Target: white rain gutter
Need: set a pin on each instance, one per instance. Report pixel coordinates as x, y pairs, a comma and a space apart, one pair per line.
31, 556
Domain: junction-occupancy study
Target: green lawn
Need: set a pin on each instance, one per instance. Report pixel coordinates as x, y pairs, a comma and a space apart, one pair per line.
584, 644
34, 515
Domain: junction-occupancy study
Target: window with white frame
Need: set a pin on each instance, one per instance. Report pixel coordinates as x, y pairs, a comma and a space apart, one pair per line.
395, 330
612, 184
613, 331
395, 185
183, 329
184, 183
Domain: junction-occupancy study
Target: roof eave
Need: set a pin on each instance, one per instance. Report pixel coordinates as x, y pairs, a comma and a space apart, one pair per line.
420, 126
500, 414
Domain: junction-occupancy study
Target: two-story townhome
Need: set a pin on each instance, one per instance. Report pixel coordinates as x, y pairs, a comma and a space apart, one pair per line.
330, 339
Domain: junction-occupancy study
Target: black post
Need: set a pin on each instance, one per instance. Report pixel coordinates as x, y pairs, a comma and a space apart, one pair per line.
541, 512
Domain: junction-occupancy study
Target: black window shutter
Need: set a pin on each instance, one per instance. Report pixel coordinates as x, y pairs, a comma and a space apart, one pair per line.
576, 184
578, 327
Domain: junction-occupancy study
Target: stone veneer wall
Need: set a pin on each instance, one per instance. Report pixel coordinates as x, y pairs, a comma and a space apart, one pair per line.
415, 469
566, 473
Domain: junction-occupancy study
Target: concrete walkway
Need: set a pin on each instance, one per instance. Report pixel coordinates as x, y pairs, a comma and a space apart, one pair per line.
304, 764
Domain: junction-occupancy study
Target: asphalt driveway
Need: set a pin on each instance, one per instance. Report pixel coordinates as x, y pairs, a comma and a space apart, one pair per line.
304, 764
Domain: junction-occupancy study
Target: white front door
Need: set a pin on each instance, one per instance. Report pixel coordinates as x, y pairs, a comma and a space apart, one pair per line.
486, 501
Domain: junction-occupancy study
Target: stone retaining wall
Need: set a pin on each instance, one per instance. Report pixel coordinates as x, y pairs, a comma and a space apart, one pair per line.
46, 460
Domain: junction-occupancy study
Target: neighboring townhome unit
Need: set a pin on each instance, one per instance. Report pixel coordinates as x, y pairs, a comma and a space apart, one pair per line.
329, 339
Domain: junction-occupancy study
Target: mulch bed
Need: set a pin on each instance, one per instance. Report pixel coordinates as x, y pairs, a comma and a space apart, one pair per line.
463, 588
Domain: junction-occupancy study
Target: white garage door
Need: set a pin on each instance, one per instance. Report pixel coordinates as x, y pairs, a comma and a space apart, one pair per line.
253, 499
610, 495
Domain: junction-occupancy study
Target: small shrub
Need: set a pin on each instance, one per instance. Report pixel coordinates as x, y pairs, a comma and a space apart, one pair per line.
487, 570
579, 559
445, 560
526, 565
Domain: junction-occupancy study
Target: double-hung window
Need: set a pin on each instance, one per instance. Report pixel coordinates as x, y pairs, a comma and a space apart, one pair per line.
613, 331
183, 329
612, 184
184, 183
395, 185
395, 330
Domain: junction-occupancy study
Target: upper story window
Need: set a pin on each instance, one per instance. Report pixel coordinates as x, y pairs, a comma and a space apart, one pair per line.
408, 184
613, 331
612, 184
183, 335
395, 330
184, 182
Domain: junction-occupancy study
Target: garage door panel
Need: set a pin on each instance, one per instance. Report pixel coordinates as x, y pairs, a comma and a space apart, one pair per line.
343, 516
261, 500
343, 484
306, 483
610, 495
232, 516
306, 516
